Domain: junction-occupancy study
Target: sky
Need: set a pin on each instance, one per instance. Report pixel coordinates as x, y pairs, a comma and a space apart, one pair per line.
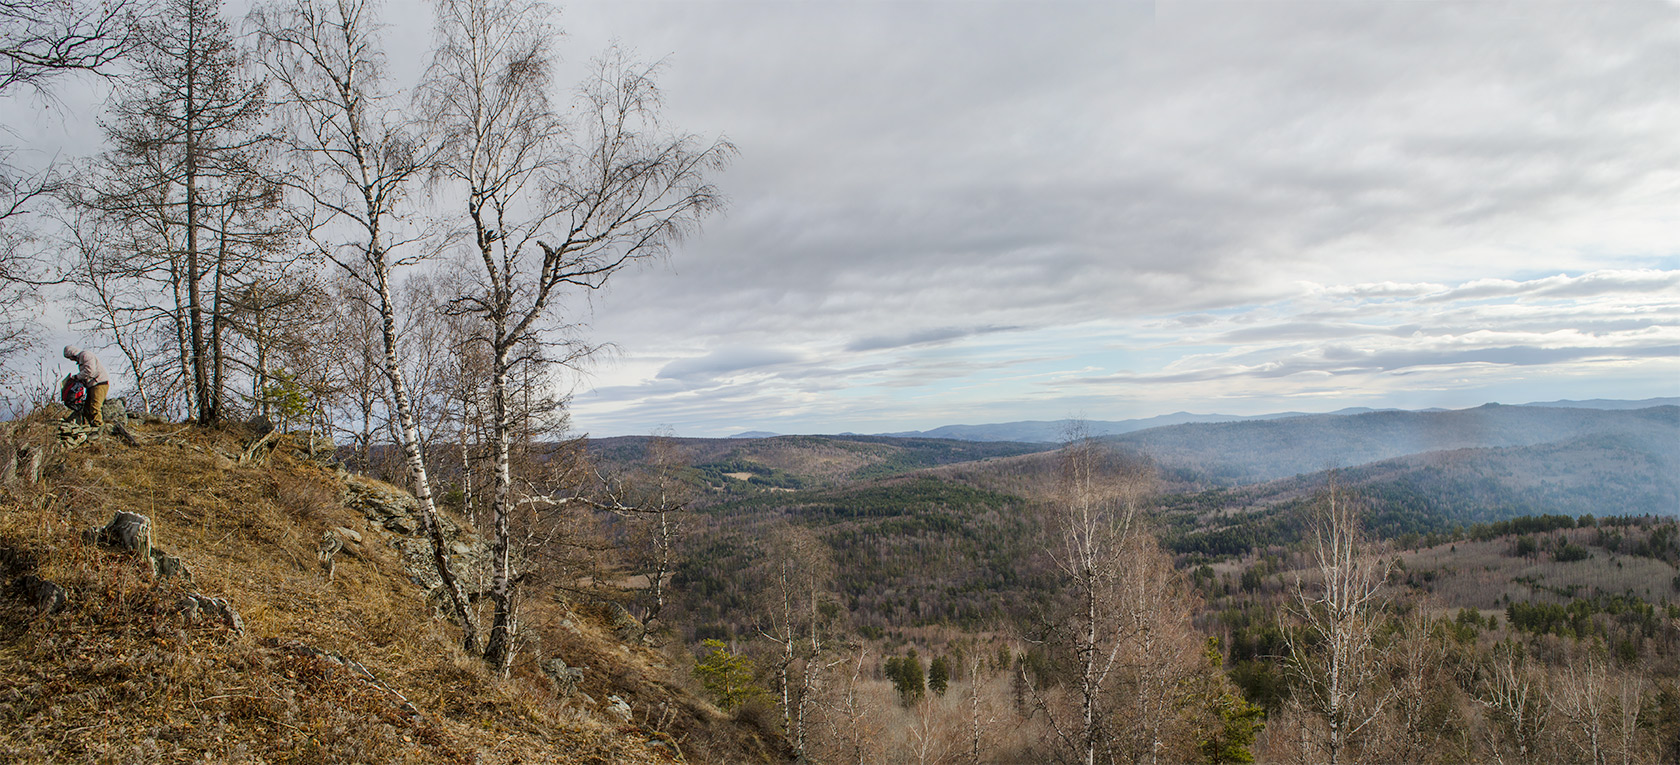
967, 212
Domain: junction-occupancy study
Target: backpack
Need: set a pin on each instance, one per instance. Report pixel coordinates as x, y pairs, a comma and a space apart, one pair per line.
74, 393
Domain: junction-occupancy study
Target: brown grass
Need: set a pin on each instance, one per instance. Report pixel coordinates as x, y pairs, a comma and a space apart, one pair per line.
118, 676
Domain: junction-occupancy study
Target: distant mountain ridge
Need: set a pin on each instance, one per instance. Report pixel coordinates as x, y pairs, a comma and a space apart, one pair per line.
1235, 453
1054, 431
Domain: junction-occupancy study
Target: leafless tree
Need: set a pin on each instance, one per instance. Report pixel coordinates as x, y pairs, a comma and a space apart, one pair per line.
1160, 656
848, 724
1416, 660
186, 175
40, 39
1097, 526
360, 158
1336, 673
981, 715
552, 207
661, 497
1513, 695
796, 605
1600, 708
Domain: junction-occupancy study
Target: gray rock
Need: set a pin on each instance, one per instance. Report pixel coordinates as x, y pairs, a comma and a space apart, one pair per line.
619, 710
460, 548
623, 624
194, 605
126, 532
114, 410
48, 596
260, 425
331, 543
565, 679
167, 566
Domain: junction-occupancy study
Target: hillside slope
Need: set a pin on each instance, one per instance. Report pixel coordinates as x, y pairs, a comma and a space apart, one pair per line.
101, 659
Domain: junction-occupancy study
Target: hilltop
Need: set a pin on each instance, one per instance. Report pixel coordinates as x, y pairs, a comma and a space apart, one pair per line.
233, 638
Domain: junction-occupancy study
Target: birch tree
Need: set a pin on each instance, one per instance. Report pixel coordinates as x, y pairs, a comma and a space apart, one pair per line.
1513, 696
360, 158
552, 206
1334, 660
1095, 524
798, 575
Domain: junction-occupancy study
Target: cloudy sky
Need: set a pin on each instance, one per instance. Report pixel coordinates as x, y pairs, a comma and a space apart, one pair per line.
951, 212
967, 212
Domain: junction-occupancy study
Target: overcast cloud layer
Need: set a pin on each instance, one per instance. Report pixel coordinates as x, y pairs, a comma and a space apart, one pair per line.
964, 212
971, 212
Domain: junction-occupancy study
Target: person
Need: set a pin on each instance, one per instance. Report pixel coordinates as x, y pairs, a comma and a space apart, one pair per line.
93, 375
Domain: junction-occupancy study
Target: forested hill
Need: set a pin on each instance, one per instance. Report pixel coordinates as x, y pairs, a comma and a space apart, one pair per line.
1236, 453
795, 462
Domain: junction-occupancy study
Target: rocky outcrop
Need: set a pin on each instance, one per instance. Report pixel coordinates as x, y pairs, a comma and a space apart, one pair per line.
619, 709
565, 678
126, 532
395, 515
132, 533
194, 607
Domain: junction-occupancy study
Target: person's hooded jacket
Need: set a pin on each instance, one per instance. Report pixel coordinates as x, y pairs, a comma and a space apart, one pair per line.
89, 370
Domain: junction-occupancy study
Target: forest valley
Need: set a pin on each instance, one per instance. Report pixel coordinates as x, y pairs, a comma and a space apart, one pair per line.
877, 599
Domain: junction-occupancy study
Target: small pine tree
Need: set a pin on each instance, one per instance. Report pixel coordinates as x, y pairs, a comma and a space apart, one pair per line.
907, 677
286, 398
1236, 722
726, 676
939, 675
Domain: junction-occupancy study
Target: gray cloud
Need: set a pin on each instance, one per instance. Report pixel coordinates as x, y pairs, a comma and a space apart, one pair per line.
725, 361
919, 337
1339, 360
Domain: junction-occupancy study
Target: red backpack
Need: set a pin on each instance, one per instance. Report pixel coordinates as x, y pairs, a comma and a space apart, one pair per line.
74, 392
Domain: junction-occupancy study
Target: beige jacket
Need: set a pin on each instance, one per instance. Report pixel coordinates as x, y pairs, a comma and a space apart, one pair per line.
89, 370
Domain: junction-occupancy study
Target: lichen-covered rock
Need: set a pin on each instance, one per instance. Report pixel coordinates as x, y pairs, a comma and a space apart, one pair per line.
167, 566
194, 606
395, 511
114, 410
126, 532
565, 678
619, 709
623, 624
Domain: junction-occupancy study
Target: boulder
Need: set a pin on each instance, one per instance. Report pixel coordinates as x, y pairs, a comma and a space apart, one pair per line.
126, 532
260, 425
167, 566
115, 410
624, 625
48, 596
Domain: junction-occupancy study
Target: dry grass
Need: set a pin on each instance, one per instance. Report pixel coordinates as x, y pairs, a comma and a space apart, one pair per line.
119, 676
